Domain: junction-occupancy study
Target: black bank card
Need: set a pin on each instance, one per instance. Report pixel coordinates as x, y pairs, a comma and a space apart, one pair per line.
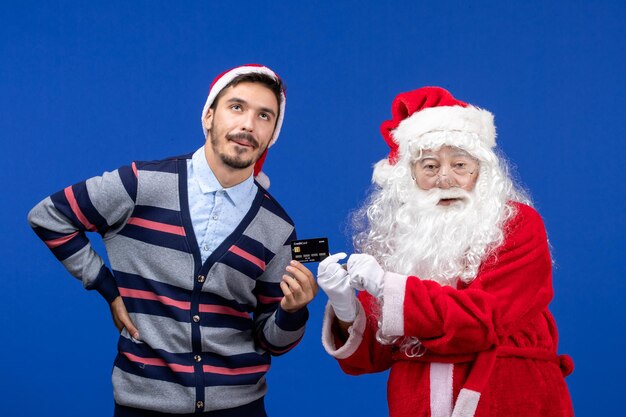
309, 250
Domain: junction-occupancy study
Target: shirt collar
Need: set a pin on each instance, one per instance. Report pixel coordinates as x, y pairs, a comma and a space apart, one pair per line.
208, 183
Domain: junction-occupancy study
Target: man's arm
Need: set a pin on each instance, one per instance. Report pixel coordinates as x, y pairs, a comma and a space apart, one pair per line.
281, 312
100, 204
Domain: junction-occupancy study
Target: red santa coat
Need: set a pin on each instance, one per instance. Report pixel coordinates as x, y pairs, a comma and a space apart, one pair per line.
491, 346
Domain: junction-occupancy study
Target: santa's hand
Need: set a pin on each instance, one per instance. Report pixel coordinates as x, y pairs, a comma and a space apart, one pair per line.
335, 282
366, 274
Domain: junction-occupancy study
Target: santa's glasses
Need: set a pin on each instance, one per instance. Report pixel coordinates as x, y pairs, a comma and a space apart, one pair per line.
455, 169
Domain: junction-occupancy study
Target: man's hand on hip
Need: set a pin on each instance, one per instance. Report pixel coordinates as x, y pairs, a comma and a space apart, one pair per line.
122, 319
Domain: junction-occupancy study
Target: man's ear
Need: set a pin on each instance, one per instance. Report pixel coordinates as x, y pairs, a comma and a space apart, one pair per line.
207, 122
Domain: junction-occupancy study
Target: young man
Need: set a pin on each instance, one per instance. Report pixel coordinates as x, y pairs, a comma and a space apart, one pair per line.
456, 274
198, 252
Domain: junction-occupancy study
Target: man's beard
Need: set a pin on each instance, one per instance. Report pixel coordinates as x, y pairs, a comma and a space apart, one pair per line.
236, 161
433, 242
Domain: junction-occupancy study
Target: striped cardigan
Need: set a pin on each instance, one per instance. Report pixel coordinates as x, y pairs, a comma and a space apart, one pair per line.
207, 330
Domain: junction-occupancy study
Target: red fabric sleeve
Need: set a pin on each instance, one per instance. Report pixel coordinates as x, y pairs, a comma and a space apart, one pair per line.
370, 356
509, 290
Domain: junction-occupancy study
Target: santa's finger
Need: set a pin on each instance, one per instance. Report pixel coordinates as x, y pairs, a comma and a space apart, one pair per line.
332, 259
358, 260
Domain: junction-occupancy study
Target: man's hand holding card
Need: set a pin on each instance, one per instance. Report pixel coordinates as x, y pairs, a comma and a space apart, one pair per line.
299, 286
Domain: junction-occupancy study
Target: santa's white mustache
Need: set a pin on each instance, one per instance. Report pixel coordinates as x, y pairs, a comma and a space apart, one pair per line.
451, 193
435, 195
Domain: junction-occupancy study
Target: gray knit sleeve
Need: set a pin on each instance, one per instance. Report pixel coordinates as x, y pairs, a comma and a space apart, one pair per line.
100, 204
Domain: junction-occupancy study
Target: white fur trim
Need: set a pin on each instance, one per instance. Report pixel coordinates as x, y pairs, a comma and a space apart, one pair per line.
355, 338
466, 403
393, 304
468, 119
231, 75
441, 389
263, 180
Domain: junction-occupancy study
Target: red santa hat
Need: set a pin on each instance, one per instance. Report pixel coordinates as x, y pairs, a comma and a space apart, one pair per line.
428, 110
221, 81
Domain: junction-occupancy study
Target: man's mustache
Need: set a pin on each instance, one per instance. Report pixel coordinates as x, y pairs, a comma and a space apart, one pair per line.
243, 137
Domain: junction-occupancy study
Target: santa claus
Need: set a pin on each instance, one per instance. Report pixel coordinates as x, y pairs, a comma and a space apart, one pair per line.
453, 272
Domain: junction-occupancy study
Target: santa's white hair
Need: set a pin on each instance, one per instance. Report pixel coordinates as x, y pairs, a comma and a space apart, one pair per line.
406, 231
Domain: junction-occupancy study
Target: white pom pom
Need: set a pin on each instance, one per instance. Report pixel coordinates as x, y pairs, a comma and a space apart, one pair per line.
382, 172
263, 180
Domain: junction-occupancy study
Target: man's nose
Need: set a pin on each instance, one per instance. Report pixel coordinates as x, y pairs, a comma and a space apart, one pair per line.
248, 122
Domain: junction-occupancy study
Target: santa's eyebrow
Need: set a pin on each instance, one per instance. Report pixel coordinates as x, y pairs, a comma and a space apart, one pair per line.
427, 155
459, 153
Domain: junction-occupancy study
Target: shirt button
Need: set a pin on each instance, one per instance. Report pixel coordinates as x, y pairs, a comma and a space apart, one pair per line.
205, 248
199, 404
196, 318
214, 217
197, 358
201, 278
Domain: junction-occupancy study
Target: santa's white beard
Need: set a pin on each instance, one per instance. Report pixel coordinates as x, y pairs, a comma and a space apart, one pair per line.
441, 243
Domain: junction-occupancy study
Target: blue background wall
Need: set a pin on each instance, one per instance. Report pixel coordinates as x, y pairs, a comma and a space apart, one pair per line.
89, 86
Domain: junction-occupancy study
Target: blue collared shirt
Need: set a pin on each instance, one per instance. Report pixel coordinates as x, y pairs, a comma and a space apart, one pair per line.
215, 211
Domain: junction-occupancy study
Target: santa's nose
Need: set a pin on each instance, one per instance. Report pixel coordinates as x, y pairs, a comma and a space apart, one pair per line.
443, 181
